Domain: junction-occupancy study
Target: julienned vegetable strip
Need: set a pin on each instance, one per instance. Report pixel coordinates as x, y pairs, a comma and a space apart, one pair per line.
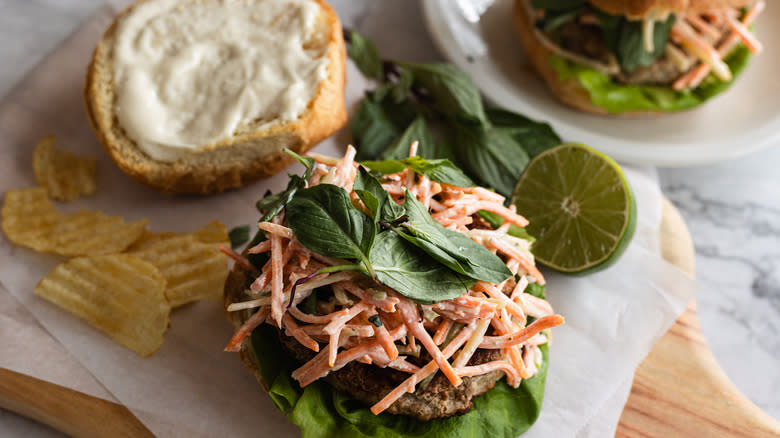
252, 323
693, 78
522, 335
370, 323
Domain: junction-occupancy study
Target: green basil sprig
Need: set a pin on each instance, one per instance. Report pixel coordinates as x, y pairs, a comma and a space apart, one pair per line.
440, 170
440, 106
417, 131
365, 54
414, 274
325, 221
451, 248
375, 198
401, 246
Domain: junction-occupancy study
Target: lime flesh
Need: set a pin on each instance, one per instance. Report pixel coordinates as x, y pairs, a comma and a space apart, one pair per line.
580, 208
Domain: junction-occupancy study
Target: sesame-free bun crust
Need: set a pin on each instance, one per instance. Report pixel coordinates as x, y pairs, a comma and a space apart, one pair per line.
637, 9
249, 155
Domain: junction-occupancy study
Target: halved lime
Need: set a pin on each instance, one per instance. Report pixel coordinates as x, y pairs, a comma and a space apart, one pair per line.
580, 208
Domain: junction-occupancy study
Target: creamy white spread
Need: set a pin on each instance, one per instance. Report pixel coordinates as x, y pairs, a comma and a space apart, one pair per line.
189, 74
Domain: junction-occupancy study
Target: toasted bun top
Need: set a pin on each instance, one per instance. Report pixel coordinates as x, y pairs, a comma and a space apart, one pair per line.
637, 9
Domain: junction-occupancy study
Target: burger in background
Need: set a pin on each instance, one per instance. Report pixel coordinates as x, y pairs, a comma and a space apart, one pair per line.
640, 56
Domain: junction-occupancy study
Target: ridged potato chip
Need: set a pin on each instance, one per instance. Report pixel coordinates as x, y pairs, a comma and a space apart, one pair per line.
94, 233
65, 176
194, 270
28, 218
213, 232
119, 294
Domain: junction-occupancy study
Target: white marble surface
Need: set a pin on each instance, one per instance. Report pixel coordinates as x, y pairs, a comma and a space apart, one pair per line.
733, 209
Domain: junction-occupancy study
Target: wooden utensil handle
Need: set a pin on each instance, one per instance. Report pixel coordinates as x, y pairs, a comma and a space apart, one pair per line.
75, 413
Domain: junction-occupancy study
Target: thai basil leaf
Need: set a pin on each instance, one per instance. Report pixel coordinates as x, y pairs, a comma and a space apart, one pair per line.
535, 137
496, 221
491, 155
453, 92
385, 167
366, 56
412, 273
371, 202
397, 91
376, 198
416, 131
400, 89
451, 248
625, 39
238, 236
271, 205
325, 221
307, 162
439, 170
445, 150
377, 122
372, 131
267, 203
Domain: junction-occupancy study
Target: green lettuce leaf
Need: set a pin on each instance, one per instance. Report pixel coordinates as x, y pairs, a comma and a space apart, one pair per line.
619, 98
320, 411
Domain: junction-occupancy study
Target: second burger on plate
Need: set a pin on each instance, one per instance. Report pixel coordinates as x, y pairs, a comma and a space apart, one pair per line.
646, 56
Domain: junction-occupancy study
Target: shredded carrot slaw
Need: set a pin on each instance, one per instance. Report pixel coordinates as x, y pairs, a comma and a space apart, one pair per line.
708, 38
371, 324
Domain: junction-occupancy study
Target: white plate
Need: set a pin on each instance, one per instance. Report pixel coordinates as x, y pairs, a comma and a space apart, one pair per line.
742, 119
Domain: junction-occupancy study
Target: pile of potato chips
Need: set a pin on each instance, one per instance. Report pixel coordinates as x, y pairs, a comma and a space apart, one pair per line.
124, 279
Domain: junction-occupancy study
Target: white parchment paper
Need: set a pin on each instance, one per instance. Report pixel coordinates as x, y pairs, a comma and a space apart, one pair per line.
190, 387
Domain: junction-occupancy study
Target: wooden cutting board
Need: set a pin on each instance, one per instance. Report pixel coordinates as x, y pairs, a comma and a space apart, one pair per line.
678, 391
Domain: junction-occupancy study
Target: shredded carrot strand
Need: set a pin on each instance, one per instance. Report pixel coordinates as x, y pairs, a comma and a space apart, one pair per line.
441, 331
277, 263
246, 329
292, 329
238, 258
275, 229
522, 335
414, 326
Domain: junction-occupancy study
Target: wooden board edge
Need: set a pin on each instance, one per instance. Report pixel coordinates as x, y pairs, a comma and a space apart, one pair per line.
691, 398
